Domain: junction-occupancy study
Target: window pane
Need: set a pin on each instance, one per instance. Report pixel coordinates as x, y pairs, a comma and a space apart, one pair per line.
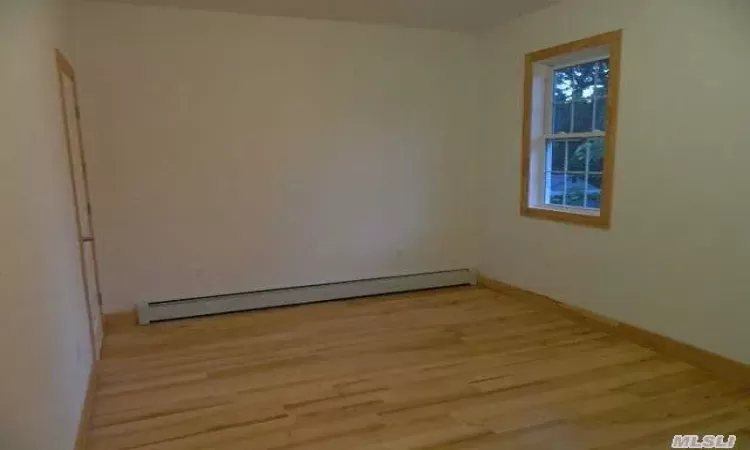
582, 84
583, 116
590, 79
556, 155
583, 81
600, 113
595, 148
601, 77
554, 188
576, 156
561, 120
563, 87
593, 198
576, 192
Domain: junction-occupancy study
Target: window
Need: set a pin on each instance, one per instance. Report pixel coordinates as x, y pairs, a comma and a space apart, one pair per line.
570, 112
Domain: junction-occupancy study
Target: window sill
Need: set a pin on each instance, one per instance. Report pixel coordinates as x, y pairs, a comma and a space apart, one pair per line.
576, 216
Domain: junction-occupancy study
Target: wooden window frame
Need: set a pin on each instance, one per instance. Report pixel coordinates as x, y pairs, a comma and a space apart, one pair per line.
612, 41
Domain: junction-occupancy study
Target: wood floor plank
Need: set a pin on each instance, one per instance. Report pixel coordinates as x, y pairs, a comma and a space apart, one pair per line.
460, 368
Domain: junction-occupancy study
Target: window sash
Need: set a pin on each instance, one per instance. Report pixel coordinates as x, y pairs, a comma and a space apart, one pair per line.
549, 136
548, 192
586, 173
549, 104
579, 61
572, 172
574, 136
593, 97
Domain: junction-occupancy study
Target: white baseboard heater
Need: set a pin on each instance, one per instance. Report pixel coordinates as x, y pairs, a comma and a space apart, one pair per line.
207, 306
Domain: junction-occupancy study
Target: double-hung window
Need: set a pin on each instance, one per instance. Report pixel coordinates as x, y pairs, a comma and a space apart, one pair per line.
569, 131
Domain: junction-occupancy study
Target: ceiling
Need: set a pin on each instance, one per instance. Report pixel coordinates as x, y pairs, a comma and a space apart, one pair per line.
457, 15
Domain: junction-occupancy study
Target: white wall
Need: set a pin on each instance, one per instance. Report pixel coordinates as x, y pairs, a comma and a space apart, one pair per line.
676, 259
230, 152
44, 338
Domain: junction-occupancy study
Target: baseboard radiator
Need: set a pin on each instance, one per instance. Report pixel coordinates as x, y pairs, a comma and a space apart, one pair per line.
222, 304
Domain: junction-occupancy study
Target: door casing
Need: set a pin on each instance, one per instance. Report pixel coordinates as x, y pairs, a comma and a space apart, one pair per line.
90, 280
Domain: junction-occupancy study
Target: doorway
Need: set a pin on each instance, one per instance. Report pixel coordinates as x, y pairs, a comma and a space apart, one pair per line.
81, 200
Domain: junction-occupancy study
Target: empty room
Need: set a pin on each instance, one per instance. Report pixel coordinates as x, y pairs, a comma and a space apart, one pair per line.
374, 224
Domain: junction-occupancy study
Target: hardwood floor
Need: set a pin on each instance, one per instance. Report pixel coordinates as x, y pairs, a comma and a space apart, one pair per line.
451, 369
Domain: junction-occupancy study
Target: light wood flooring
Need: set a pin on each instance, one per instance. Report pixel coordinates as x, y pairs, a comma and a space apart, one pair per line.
459, 368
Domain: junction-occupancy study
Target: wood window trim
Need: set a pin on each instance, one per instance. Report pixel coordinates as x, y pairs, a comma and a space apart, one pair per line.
613, 41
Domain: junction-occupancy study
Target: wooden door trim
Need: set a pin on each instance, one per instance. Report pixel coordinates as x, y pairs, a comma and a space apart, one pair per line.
65, 69
89, 212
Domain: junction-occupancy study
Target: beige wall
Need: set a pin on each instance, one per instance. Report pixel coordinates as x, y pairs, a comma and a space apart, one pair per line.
676, 258
231, 152
44, 340
316, 151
